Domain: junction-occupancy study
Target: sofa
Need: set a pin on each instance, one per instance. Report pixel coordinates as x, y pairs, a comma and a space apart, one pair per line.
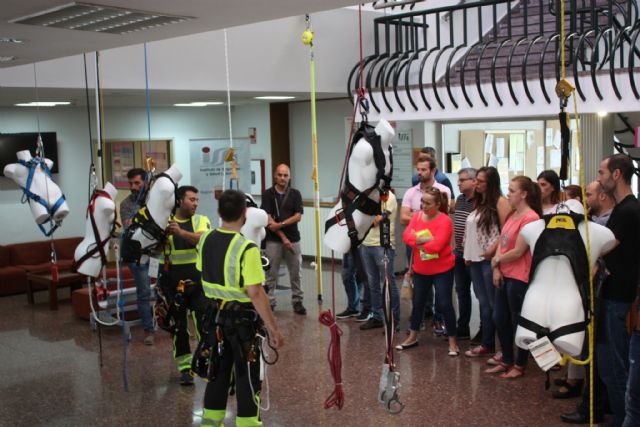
18, 259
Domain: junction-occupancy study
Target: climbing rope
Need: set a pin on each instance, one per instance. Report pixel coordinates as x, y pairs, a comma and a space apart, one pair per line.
565, 90
230, 155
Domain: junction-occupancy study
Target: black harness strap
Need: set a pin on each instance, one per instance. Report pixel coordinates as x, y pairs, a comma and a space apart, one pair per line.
556, 333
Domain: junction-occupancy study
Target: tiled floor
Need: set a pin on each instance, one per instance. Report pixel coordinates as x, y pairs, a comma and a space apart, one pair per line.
50, 375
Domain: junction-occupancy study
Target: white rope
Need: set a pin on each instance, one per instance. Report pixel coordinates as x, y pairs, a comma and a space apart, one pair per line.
266, 378
226, 64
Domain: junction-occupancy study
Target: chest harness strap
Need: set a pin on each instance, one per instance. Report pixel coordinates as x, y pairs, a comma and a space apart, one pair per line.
132, 249
353, 199
561, 237
27, 194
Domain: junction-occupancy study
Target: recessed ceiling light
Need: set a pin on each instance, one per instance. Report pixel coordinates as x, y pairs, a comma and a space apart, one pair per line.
602, 114
11, 40
198, 104
274, 98
7, 58
98, 18
41, 104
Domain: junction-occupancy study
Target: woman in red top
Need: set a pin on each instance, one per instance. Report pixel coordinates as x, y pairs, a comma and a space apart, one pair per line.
429, 235
511, 266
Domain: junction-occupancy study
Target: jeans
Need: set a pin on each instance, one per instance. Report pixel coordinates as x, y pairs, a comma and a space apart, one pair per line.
443, 283
275, 251
373, 263
633, 385
612, 352
506, 312
463, 290
350, 281
143, 293
482, 278
430, 310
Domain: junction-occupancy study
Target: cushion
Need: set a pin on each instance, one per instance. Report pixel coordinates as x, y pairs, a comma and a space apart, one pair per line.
31, 253
5, 256
65, 248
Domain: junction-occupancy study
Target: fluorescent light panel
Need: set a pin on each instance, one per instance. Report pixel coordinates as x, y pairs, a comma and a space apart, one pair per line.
41, 104
7, 58
98, 18
198, 104
274, 97
10, 40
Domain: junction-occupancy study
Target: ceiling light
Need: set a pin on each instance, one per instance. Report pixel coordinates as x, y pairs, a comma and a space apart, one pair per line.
99, 18
274, 98
41, 104
602, 114
7, 58
198, 104
10, 40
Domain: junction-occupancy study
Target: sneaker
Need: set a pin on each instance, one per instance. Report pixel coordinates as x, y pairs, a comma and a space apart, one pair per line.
423, 326
372, 323
186, 378
298, 308
495, 360
479, 351
149, 338
438, 328
347, 313
363, 317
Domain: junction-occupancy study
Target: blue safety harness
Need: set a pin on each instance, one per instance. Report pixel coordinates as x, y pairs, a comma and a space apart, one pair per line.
27, 194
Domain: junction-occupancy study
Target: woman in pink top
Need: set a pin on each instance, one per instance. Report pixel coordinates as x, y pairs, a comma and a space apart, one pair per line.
511, 266
429, 235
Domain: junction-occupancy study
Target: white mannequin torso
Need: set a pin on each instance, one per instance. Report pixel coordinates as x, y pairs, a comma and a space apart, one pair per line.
362, 174
254, 227
104, 214
160, 203
553, 298
41, 185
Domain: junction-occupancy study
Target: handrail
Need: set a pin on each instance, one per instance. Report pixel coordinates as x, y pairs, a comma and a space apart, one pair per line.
602, 35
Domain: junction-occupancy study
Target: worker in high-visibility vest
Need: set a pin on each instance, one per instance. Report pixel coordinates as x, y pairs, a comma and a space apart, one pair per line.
232, 278
180, 279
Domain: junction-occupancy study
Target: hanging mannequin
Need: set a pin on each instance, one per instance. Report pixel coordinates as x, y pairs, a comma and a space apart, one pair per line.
160, 203
104, 214
362, 174
553, 298
254, 226
41, 185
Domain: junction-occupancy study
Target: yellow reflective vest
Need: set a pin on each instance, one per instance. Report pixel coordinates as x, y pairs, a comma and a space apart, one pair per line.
228, 262
178, 256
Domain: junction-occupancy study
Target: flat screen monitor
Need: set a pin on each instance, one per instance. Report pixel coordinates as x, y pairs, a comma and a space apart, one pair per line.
11, 143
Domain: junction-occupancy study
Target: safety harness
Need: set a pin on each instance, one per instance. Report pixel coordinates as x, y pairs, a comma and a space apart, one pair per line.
99, 246
561, 237
132, 250
27, 194
352, 198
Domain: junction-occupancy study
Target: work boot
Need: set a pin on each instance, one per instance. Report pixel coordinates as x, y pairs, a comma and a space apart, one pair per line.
372, 323
186, 378
298, 308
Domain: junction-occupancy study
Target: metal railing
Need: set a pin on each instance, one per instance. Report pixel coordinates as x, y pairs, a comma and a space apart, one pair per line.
497, 40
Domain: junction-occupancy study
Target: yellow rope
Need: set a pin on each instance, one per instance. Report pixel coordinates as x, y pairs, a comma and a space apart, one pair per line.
565, 90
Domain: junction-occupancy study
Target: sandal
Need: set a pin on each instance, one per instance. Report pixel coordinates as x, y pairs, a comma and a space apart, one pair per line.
454, 353
497, 369
513, 373
401, 347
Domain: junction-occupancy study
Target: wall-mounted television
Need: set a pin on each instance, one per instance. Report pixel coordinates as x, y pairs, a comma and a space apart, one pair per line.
11, 143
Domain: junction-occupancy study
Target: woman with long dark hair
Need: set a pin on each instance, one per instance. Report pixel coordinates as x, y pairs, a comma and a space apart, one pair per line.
511, 266
549, 183
429, 235
480, 242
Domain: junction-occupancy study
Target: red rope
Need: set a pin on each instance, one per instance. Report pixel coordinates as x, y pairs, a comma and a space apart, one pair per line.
336, 398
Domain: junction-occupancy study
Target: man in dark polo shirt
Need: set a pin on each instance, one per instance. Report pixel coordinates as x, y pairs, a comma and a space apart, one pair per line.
284, 206
619, 289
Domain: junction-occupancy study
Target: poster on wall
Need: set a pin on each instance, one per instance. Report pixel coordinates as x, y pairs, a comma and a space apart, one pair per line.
206, 157
402, 160
122, 159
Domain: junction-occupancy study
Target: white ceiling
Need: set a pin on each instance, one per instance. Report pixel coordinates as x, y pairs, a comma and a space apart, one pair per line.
43, 43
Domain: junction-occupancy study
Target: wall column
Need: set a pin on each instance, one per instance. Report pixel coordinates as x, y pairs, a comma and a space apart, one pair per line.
596, 134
